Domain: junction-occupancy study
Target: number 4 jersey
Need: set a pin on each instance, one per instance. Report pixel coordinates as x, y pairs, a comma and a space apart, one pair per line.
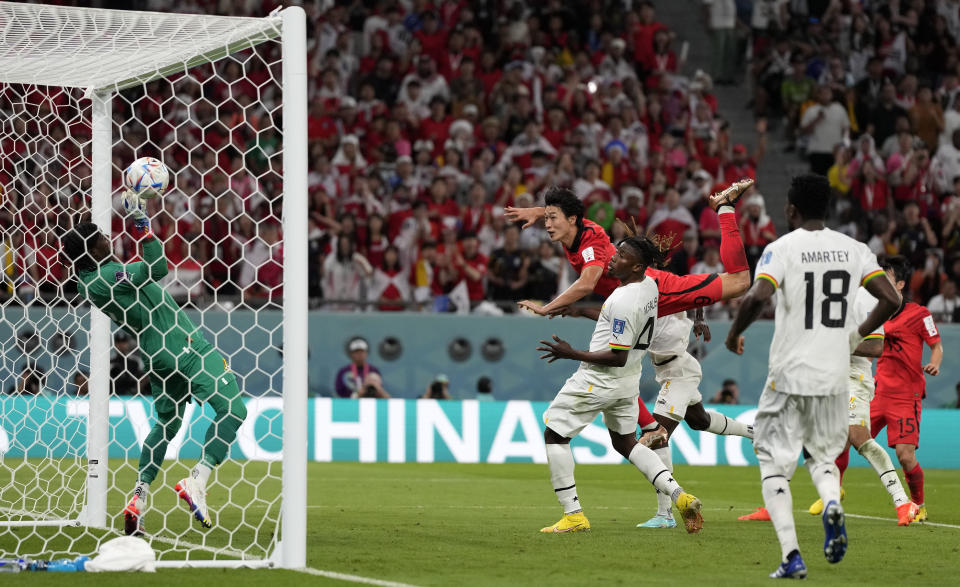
817, 274
626, 323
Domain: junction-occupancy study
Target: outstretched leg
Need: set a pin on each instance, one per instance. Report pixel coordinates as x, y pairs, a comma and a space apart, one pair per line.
654, 470
215, 384
170, 407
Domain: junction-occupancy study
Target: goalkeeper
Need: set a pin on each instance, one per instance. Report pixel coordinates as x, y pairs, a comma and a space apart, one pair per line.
181, 363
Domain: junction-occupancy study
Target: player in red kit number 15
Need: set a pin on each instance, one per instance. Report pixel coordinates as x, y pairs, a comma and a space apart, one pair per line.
901, 386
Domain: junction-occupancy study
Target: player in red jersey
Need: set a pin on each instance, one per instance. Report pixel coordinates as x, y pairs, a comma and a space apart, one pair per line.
901, 386
589, 250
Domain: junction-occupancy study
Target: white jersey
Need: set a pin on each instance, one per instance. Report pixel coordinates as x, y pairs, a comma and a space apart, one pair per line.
861, 368
817, 274
626, 323
668, 350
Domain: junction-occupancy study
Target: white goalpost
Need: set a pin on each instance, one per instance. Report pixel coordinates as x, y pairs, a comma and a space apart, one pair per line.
222, 101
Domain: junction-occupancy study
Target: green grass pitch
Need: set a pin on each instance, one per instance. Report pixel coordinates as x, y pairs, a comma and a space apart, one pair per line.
448, 524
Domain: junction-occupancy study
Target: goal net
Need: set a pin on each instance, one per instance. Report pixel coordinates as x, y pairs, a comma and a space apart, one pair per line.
222, 102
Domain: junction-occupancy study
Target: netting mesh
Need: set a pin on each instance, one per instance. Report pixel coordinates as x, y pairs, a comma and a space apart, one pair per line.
217, 128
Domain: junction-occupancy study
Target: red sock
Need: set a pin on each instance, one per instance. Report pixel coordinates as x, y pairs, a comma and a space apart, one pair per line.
645, 419
915, 482
842, 462
732, 255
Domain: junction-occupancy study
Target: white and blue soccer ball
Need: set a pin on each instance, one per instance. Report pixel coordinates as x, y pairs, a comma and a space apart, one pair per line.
147, 178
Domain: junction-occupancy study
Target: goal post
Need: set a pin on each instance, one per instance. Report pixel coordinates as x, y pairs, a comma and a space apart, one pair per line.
222, 100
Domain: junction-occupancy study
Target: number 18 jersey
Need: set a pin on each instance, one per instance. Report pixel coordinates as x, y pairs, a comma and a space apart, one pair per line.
817, 274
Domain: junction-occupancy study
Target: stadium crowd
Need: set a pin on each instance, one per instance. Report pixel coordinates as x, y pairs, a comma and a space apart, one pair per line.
427, 119
867, 92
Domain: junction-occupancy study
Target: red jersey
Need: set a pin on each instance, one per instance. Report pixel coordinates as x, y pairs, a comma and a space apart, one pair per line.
678, 293
475, 287
591, 247
900, 367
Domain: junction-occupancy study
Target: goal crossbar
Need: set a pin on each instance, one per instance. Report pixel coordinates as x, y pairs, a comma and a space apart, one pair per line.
119, 48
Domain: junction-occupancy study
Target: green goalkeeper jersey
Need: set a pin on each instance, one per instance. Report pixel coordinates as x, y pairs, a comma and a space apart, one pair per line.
130, 295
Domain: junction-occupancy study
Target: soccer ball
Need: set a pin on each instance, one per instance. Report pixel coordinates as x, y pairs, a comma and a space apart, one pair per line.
146, 177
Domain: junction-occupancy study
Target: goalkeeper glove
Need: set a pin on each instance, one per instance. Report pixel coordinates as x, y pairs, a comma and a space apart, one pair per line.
137, 208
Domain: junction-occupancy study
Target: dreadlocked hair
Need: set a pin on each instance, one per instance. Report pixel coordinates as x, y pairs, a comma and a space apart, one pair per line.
651, 254
663, 243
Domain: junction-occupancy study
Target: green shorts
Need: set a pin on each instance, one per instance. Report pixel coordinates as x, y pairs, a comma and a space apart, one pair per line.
202, 379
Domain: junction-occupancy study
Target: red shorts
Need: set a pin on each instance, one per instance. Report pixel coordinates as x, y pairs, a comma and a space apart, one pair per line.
679, 293
901, 417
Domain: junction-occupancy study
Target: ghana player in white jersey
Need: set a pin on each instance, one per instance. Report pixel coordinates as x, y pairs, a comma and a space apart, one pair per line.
815, 272
861, 387
679, 375
608, 382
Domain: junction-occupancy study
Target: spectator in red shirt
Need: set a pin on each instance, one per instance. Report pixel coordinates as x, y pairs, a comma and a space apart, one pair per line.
432, 38
440, 207
390, 285
742, 166
376, 242
348, 160
870, 190
557, 131
661, 60
671, 220
756, 228
436, 127
643, 29
633, 208
453, 57
472, 215
473, 267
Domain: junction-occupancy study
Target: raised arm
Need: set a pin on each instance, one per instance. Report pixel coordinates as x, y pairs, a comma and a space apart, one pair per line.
154, 264
578, 290
750, 309
527, 215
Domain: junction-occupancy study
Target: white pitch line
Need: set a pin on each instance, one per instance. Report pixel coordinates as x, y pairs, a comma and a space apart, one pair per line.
351, 578
176, 542
938, 524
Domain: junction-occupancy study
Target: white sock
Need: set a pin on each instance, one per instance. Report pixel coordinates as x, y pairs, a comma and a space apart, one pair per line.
201, 473
720, 424
826, 478
560, 459
650, 427
652, 467
881, 463
779, 502
726, 209
664, 503
140, 491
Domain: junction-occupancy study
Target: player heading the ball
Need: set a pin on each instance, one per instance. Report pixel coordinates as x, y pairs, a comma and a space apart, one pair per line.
181, 363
